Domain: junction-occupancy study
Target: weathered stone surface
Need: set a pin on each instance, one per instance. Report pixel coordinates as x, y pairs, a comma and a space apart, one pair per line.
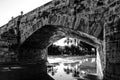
112, 45
82, 16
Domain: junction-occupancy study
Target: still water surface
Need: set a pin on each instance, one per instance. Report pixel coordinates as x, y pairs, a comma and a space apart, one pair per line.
71, 68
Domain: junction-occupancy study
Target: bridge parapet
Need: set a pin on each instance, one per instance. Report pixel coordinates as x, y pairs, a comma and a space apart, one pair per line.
68, 13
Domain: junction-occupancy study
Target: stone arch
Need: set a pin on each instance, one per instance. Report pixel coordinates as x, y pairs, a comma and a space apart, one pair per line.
35, 47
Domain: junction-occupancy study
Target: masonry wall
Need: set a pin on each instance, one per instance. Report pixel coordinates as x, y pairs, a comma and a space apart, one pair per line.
112, 38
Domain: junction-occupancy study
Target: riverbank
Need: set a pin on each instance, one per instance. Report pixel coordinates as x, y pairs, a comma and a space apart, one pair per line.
61, 58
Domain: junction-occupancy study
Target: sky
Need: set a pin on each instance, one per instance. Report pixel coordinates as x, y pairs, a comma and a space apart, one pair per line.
13, 8
61, 42
9, 8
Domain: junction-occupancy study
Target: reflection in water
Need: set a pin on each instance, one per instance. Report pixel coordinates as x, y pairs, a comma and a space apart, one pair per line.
71, 68
27, 72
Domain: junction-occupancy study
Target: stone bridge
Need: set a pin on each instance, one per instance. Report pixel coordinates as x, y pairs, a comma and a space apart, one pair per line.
26, 37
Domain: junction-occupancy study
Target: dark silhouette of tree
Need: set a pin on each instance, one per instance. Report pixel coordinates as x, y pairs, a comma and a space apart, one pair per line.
81, 49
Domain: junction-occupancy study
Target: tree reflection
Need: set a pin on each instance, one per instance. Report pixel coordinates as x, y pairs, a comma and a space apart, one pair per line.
75, 69
78, 69
52, 70
75, 72
67, 70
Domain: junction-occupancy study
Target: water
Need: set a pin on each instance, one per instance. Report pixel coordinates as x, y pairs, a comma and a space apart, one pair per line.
18, 72
59, 68
72, 67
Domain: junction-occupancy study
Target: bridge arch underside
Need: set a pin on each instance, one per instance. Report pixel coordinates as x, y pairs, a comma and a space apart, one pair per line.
35, 47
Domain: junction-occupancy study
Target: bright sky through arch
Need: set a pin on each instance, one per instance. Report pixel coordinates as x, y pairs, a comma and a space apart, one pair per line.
9, 8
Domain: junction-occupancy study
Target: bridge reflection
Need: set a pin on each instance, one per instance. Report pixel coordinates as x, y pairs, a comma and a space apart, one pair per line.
33, 72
